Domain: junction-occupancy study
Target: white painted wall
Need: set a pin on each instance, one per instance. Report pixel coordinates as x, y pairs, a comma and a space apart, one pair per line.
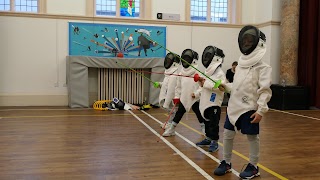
33, 50
275, 41
260, 11
34, 62
178, 38
30, 64
67, 7
248, 11
275, 54
168, 6
276, 10
223, 38
263, 11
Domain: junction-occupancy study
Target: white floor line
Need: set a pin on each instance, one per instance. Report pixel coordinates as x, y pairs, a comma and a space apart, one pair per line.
194, 145
296, 114
194, 165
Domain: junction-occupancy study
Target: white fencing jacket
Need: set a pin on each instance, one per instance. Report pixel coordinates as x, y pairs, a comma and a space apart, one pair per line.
250, 89
168, 86
210, 96
186, 86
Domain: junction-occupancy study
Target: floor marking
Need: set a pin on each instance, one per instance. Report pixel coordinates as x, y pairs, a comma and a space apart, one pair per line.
192, 144
294, 114
191, 128
205, 152
57, 116
84, 115
194, 165
233, 151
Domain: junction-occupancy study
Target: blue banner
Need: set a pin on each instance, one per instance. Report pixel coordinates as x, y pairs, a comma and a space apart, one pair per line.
114, 40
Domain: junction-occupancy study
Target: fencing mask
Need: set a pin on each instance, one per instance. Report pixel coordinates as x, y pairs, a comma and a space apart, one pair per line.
249, 38
209, 53
170, 59
188, 55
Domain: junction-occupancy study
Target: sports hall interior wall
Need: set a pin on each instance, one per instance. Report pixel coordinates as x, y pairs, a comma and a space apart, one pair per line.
34, 47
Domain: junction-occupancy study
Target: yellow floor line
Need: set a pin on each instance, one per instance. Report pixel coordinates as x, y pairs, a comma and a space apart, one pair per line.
189, 127
240, 155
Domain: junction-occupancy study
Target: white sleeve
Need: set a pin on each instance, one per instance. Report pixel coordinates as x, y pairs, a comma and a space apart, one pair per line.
228, 87
197, 93
170, 91
264, 91
178, 88
208, 84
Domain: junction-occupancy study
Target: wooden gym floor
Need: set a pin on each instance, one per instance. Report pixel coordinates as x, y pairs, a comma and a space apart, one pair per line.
44, 143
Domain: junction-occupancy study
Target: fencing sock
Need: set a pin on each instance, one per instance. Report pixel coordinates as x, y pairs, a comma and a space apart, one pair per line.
228, 137
254, 143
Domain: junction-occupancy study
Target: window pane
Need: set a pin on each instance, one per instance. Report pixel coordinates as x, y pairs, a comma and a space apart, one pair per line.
219, 11
199, 10
23, 2
137, 8
4, 5
34, 9
106, 7
26, 5
129, 8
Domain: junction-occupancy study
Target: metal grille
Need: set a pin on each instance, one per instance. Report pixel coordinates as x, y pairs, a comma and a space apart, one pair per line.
121, 83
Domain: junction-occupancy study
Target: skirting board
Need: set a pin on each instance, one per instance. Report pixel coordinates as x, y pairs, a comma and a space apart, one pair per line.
33, 100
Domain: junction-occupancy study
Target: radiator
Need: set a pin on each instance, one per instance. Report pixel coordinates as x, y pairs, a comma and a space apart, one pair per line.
123, 84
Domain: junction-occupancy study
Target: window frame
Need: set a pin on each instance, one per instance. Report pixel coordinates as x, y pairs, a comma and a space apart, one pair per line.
141, 10
41, 4
234, 12
5, 6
